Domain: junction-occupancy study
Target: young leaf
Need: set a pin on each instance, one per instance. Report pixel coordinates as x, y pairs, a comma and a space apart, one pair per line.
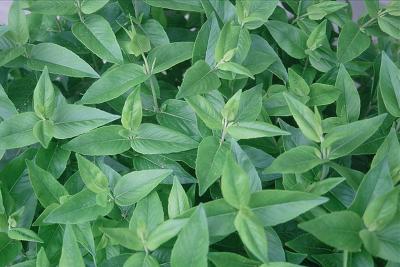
255, 129
297, 84
197, 240
231, 108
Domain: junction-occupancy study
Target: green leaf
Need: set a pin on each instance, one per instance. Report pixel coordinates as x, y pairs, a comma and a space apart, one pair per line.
382, 210
97, 35
23, 234
348, 104
114, 83
204, 45
296, 160
17, 23
221, 259
70, 254
43, 132
323, 94
343, 229
135, 185
41, 259
351, 43
389, 85
235, 184
57, 7
253, 14
47, 189
197, 240
156, 139
390, 25
252, 234
291, 39
233, 44
186, 5
255, 129
209, 162
178, 201
198, 79
91, 6
236, 69
164, 232
206, 111
297, 84
231, 108
124, 237
94, 179
7, 107
105, 140
320, 10
71, 211
17, 131
141, 259
148, 214
317, 37
342, 140
166, 56
44, 96
383, 244
132, 111
72, 120
307, 121
376, 182
59, 60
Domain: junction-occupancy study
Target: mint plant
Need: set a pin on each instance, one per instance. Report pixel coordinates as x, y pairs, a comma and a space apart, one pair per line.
195, 133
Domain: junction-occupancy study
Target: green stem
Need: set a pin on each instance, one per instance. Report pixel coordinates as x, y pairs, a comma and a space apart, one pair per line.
345, 257
152, 87
225, 122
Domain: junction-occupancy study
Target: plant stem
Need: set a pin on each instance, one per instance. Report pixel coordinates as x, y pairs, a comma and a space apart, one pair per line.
153, 89
345, 257
225, 122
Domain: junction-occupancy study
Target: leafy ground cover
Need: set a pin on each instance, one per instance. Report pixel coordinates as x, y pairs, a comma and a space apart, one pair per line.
194, 133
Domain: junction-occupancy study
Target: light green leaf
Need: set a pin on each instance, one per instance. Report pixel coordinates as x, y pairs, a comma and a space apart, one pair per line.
97, 35
351, 43
255, 129
198, 79
166, 56
307, 121
253, 14
389, 85
132, 111
114, 83
251, 232
209, 162
70, 254
197, 240
43, 132
47, 189
178, 201
186, 5
156, 139
342, 140
296, 160
105, 140
44, 97
343, 229
91, 6
17, 23
390, 25
141, 259
59, 60
135, 185
72, 120
94, 179
23, 234
291, 39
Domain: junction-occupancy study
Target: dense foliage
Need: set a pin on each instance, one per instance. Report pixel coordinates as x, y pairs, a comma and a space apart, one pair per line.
194, 133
